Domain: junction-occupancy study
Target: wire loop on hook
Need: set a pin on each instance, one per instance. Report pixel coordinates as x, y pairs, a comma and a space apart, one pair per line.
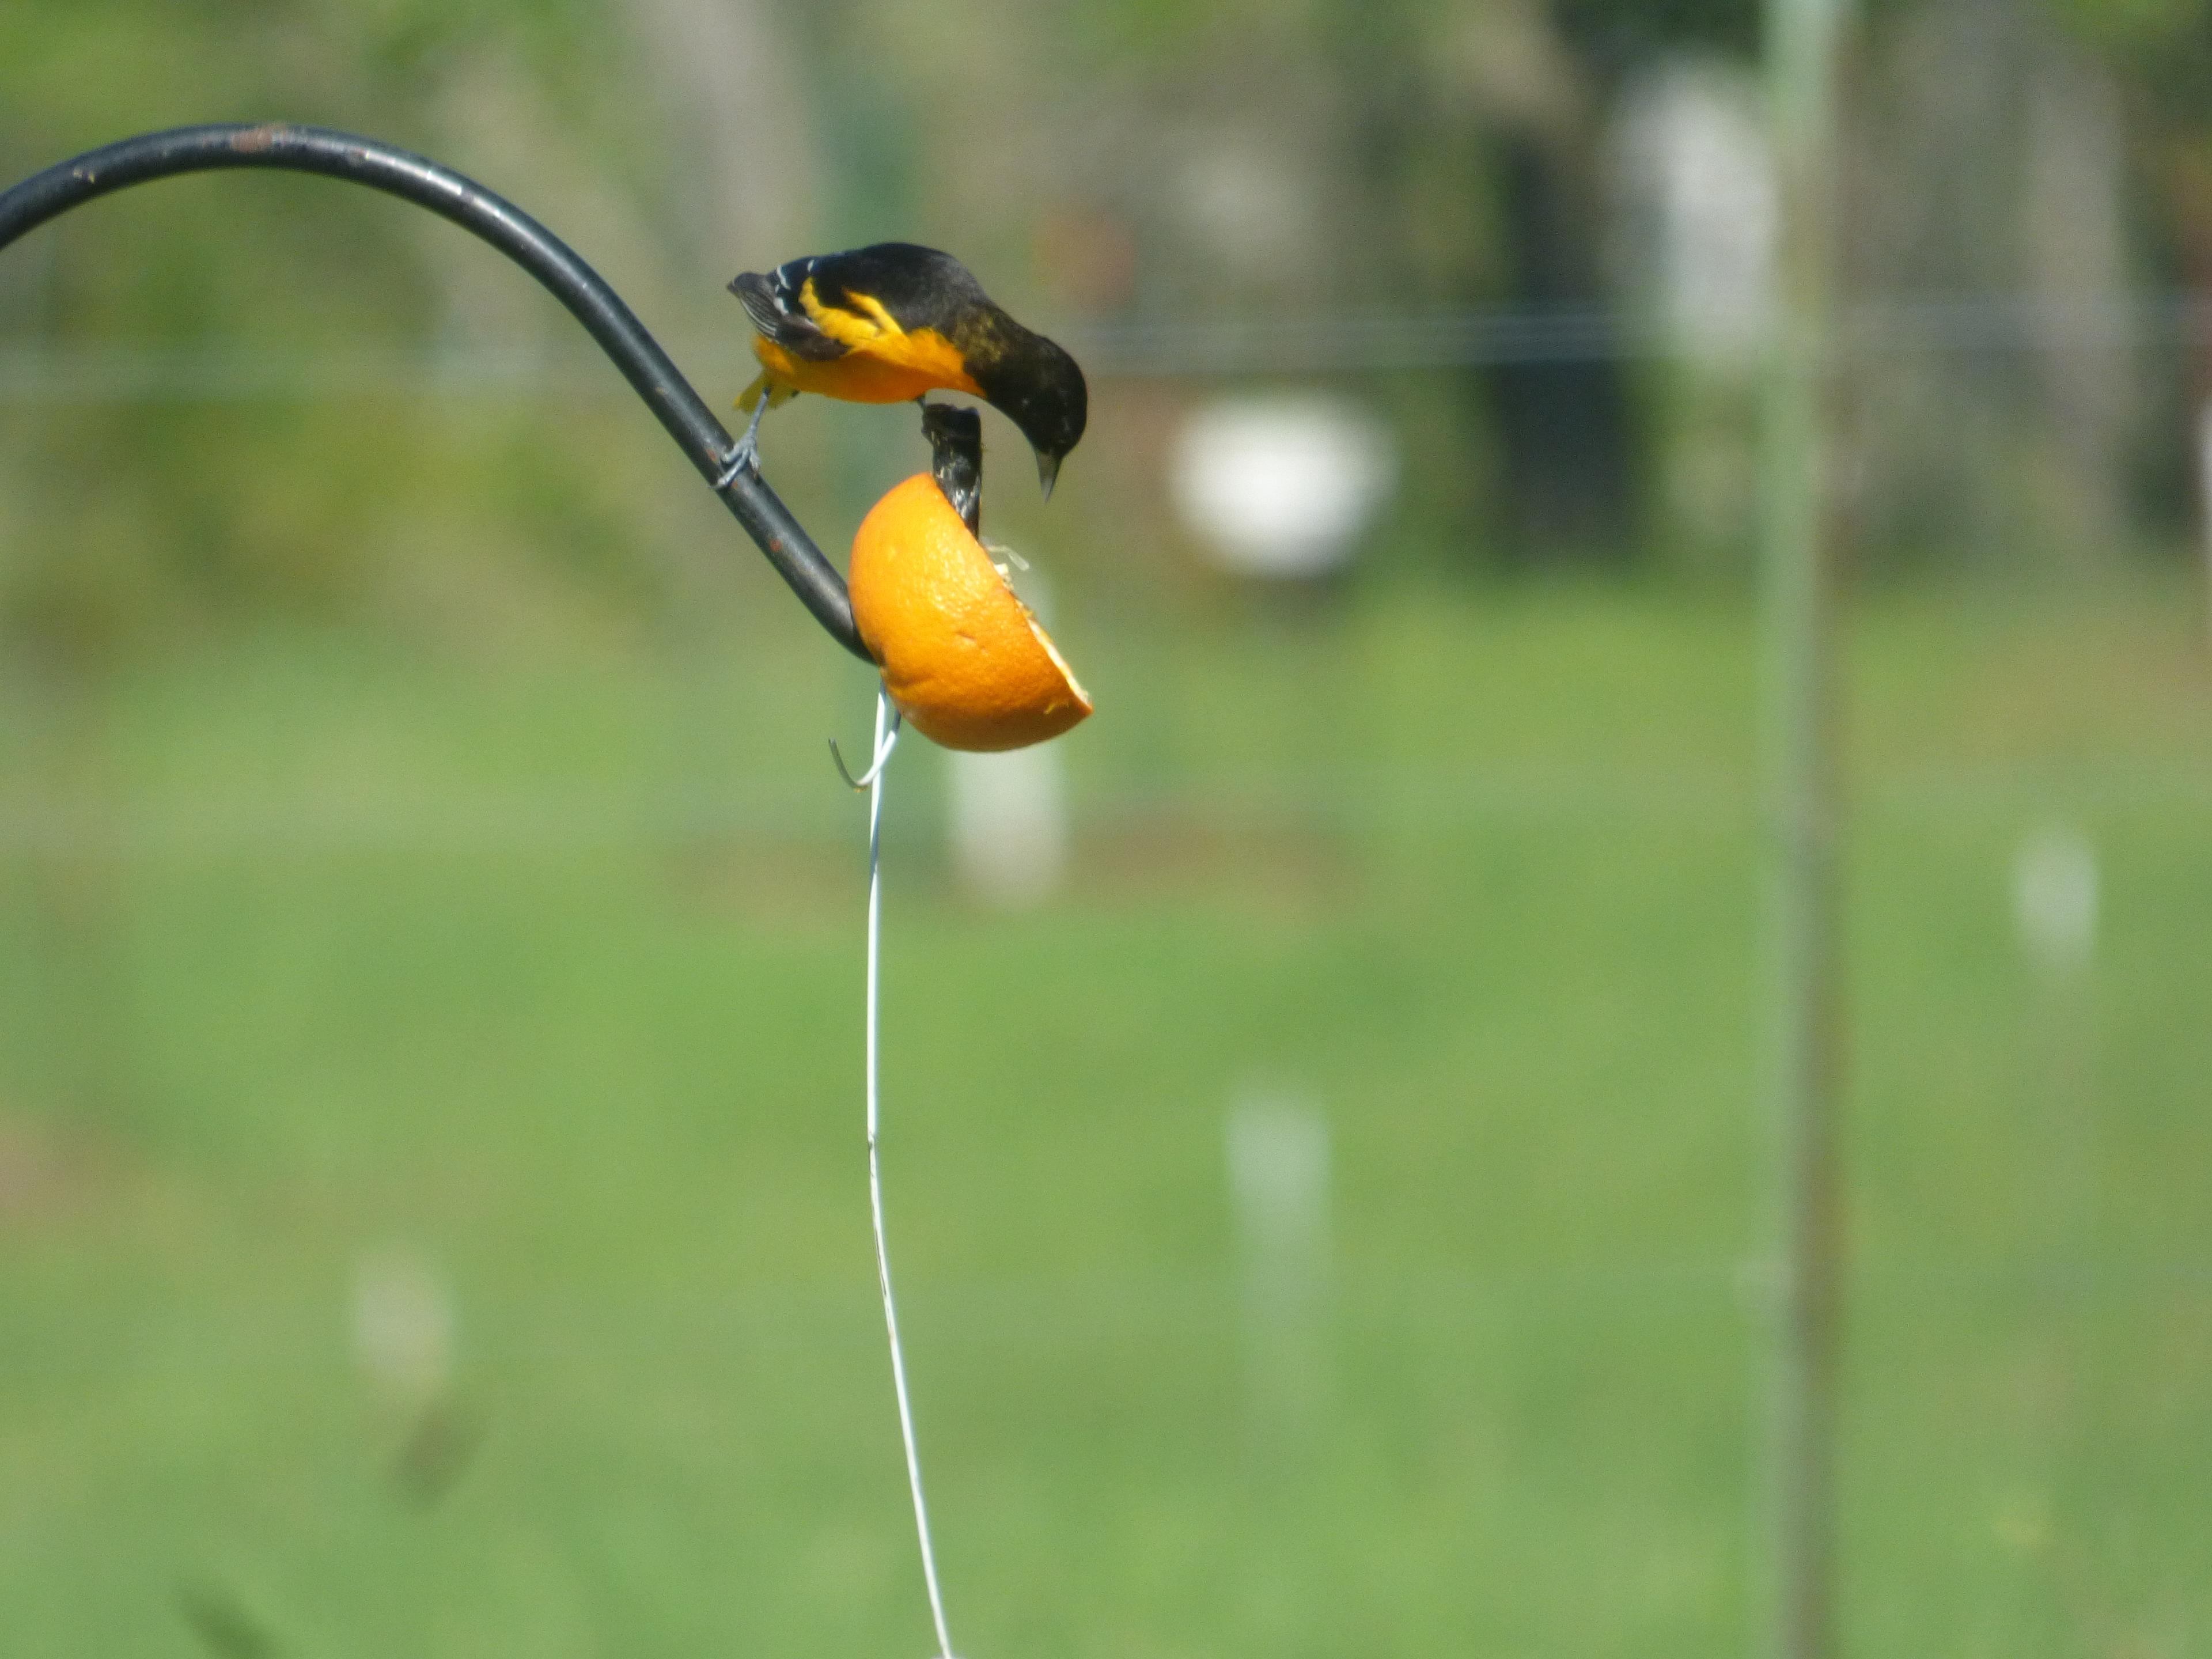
886, 741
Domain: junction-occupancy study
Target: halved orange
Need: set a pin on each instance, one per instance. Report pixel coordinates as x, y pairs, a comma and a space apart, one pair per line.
962, 656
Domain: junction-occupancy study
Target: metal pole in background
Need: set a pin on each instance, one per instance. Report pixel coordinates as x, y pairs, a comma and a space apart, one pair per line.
1801, 41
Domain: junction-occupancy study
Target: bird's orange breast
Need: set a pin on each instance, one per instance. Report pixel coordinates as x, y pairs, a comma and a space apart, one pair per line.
880, 365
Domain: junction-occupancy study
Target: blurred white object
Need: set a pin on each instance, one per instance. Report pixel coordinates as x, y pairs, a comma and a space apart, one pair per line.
1278, 1155
1009, 812
2054, 884
1249, 202
403, 1328
1010, 823
1694, 181
1282, 486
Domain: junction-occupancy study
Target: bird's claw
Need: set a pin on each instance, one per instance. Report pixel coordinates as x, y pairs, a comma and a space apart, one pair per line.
743, 453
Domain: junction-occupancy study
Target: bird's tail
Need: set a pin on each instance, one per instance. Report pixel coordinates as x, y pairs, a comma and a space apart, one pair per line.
777, 393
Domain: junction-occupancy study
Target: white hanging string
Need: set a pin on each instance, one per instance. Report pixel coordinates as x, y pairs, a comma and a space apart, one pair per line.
887, 734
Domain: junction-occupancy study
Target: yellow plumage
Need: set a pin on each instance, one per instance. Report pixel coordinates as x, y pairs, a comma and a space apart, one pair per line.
882, 363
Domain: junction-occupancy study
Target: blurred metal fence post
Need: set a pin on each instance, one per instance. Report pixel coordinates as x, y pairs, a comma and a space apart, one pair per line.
1801, 39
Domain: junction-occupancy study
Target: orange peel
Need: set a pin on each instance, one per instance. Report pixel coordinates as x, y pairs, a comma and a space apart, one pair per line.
962, 656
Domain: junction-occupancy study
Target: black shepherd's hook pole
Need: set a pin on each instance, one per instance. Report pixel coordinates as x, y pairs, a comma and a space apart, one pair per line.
514, 232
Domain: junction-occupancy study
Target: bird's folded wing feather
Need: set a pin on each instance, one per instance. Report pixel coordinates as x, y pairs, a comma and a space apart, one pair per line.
771, 302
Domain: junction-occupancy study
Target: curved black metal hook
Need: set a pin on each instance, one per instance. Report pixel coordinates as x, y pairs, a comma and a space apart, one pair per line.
514, 232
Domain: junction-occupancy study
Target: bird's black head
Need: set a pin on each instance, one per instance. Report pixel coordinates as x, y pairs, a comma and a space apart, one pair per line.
1038, 386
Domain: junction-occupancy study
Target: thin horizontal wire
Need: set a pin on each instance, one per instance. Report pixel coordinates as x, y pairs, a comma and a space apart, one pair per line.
64, 376
1105, 1308
1343, 800
1479, 338
46, 374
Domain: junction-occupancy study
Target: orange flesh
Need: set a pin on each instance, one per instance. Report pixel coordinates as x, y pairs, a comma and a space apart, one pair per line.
962, 656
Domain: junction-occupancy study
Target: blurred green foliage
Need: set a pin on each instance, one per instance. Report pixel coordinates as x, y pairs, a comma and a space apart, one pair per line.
550, 974
343, 409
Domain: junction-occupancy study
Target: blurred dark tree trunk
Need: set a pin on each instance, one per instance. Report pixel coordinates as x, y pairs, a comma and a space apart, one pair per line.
1562, 424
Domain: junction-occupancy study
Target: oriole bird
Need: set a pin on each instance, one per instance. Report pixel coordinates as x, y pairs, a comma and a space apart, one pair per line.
885, 324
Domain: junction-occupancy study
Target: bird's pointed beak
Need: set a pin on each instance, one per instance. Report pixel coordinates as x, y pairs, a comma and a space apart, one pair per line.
1047, 472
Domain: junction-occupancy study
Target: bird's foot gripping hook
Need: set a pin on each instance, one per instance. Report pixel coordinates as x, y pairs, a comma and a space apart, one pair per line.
745, 452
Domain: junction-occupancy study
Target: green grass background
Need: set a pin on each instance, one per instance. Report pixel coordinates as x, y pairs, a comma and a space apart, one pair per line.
546, 970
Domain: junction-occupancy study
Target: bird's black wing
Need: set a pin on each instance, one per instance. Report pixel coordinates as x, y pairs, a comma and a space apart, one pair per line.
771, 302
920, 287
